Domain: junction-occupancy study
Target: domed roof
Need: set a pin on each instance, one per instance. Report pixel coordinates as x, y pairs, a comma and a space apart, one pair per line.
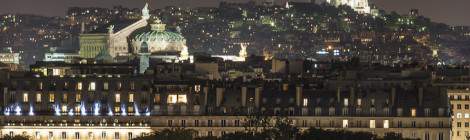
156, 33
158, 36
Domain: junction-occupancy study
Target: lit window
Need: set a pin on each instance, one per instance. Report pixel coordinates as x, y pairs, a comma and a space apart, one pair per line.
79, 86
386, 124
78, 98
119, 86
105, 86
459, 115
51, 97
182, 99
172, 99
117, 98
413, 112
197, 88
346, 102
359, 102
25, 97
157, 98
131, 98
64, 108
130, 109
38, 97
56, 72
345, 123
117, 109
372, 124
64, 97
77, 108
466, 115
305, 102
92, 86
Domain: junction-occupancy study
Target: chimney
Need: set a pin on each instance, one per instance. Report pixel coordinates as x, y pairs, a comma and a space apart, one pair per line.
82, 27
338, 94
352, 95
257, 96
206, 92
219, 96
420, 96
393, 96
298, 95
243, 97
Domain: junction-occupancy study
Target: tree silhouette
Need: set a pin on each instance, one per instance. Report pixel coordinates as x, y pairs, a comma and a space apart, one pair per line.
170, 134
15, 137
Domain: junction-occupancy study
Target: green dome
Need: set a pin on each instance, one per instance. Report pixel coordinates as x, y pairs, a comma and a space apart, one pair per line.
155, 38
157, 32
152, 35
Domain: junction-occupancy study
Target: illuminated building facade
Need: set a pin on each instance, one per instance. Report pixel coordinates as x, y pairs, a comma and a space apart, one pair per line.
120, 106
360, 6
92, 44
10, 58
61, 57
460, 108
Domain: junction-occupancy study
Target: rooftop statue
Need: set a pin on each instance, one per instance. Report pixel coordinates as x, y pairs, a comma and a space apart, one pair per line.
145, 12
111, 29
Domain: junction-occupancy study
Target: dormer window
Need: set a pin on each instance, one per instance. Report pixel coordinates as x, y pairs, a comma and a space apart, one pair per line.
413, 112
305, 102
427, 112
331, 111
92, 86
79, 86
175, 98
399, 112
197, 88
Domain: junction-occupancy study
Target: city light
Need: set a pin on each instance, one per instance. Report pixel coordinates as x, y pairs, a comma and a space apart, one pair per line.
96, 109
31, 112
57, 110
82, 109
136, 110
17, 110
345, 68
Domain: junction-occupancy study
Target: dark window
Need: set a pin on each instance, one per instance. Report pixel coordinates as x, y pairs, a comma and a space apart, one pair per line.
170, 122
196, 123
209, 123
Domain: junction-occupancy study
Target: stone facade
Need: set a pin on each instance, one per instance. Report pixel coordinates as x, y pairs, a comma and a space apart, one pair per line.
123, 107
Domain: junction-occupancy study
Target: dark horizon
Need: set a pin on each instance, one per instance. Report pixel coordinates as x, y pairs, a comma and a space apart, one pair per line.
452, 12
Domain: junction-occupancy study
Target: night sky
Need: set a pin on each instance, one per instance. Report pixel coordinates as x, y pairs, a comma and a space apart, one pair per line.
454, 12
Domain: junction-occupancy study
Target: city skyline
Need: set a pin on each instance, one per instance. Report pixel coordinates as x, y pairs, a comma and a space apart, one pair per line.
438, 11
237, 70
